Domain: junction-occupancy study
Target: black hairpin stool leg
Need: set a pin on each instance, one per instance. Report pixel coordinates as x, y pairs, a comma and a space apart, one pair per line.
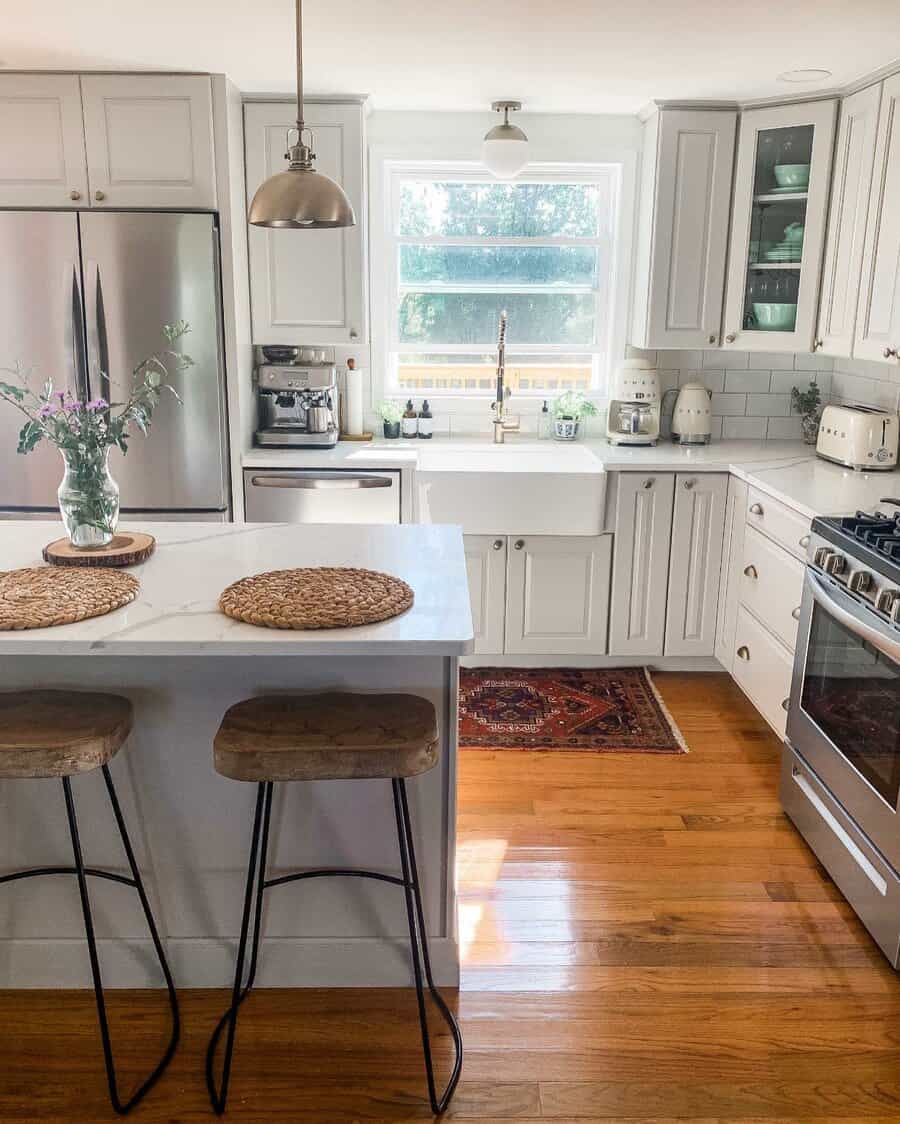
122, 1107
256, 876
418, 942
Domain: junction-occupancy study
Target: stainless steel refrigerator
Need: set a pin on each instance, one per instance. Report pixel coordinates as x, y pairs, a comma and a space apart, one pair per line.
83, 299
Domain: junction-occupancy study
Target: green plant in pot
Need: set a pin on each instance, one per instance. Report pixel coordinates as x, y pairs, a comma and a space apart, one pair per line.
806, 403
84, 432
390, 414
568, 410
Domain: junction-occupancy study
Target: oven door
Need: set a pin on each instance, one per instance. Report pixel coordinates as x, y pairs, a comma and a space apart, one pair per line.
844, 716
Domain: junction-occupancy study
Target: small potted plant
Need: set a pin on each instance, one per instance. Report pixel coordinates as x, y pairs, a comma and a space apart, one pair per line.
806, 403
390, 414
568, 410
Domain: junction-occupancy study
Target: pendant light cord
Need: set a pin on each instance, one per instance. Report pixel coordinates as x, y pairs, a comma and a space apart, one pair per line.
300, 125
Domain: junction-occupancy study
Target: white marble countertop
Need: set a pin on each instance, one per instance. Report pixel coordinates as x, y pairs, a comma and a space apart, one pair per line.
176, 611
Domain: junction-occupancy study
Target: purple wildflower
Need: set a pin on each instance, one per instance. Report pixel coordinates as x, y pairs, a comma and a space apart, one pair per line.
97, 405
47, 411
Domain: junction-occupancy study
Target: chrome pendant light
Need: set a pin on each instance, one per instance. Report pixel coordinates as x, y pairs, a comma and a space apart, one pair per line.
505, 148
301, 198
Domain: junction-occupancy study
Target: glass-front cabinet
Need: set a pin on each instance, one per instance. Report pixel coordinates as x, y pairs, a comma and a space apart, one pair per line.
778, 226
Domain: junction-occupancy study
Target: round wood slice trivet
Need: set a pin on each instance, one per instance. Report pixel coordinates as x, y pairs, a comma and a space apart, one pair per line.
43, 596
317, 597
126, 549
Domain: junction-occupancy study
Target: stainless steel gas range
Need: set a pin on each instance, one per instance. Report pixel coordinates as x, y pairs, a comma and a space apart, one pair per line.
840, 779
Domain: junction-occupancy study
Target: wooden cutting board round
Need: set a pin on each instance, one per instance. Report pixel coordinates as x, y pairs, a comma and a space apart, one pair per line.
128, 548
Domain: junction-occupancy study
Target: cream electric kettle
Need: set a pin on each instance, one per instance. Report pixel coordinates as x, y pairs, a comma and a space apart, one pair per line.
692, 419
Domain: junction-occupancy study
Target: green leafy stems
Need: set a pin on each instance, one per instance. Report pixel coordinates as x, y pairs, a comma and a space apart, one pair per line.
806, 402
574, 405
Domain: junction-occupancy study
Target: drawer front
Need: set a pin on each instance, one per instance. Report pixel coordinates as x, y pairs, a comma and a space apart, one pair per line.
858, 870
763, 669
772, 585
787, 527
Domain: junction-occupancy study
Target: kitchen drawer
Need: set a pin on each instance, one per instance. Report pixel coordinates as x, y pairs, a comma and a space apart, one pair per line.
857, 869
772, 585
778, 521
762, 669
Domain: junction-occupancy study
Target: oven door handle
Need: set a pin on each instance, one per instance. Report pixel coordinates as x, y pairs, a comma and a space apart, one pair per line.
838, 605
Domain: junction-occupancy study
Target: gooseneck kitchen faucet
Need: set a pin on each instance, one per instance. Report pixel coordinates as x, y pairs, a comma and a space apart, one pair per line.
503, 424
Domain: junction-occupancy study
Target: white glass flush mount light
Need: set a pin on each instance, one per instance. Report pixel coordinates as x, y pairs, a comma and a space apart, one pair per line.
300, 198
505, 149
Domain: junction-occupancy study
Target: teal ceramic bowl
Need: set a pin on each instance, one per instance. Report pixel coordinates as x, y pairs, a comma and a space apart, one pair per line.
792, 175
775, 317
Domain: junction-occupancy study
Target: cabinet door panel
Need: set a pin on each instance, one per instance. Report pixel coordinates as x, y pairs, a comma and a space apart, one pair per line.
763, 668
307, 286
486, 569
558, 595
878, 319
42, 160
149, 141
730, 578
851, 183
643, 531
689, 235
771, 297
698, 529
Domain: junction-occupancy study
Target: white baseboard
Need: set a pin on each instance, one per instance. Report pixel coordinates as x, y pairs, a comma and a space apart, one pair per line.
367, 962
663, 663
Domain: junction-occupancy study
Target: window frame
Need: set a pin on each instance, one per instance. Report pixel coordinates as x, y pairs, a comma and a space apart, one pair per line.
612, 293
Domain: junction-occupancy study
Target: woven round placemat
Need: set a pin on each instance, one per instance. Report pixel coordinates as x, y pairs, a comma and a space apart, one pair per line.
316, 597
43, 596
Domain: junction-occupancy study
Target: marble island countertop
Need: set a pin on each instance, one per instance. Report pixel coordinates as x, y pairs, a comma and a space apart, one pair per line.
176, 612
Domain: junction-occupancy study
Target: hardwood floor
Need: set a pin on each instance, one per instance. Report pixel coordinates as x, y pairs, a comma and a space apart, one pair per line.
645, 938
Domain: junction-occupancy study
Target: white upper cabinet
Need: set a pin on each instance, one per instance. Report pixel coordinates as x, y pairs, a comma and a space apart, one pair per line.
778, 226
878, 317
851, 182
683, 230
307, 286
149, 141
41, 141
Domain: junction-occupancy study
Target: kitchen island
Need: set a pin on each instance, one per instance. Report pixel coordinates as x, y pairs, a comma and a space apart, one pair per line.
182, 663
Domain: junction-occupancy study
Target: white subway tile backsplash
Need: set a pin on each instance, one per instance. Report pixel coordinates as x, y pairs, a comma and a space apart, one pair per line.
810, 361
730, 360
712, 380
743, 382
679, 360
729, 405
784, 381
868, 392
773, 360
784, 429
867, 368
768, 405
754, 428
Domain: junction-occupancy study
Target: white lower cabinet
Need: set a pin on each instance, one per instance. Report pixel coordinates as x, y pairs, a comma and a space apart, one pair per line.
730, 576
698, 530
486, 568
772, 586
763, 667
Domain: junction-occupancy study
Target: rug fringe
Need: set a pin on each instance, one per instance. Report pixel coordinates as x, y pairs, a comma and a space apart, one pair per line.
673, 725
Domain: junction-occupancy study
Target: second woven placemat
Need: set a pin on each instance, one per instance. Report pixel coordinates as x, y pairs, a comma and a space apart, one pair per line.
42, 596
316, 597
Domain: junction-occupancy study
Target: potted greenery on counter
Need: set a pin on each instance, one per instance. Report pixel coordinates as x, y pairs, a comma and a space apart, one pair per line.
806, 403
390, 414
568, 410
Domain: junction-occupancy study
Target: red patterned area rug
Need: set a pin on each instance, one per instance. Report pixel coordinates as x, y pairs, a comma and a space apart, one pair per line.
600, 710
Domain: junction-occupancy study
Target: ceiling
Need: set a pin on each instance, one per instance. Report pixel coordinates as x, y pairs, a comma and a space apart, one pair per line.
599, 56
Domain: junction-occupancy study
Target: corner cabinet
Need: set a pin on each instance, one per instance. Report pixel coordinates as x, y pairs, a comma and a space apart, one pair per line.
42, 160
308, 286
878, 318
682, 231
778, 226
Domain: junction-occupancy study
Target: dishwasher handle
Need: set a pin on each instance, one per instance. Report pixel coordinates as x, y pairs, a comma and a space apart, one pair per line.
321, 481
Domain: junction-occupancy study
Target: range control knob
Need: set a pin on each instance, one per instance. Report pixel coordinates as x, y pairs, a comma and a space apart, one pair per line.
835, 565
886, 600
861, 581
822, 555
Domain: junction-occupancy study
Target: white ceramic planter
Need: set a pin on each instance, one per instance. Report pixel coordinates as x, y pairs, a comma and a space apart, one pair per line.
565, 429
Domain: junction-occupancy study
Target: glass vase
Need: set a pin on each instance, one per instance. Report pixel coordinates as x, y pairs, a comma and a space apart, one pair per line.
809, 427
88, 498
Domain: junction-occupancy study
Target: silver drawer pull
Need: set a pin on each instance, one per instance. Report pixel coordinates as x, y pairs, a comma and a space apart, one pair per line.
321, 483
750, 571
497, 544
689, 484
743, 652
785, 704
519, 544
804, 542
795, 613
756, 509
648, 483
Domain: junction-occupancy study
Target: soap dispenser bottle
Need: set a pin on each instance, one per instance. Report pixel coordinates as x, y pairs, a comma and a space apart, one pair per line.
544, 422
426, 421
409, 423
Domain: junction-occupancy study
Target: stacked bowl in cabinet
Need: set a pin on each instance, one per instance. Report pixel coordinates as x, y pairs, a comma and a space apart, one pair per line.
770, 588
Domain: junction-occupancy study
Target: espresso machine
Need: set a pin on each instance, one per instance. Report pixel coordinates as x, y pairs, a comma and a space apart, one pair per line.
297, 406
633, 417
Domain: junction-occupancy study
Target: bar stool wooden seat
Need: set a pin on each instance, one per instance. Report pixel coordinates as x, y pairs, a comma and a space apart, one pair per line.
63, 734
331, 736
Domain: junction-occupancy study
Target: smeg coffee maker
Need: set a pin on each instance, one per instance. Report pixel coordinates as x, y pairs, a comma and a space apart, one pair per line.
297, 406
633, 417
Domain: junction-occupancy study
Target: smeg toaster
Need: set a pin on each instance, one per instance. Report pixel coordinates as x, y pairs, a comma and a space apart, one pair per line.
860, 437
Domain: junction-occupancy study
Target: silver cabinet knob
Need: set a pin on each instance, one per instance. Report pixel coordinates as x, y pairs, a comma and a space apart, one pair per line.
354, 335
804, 542
519, 544
497, 544
818, 345
785, 704
648, 483
731, 337
750, 571
713, 339
756, 509
74, 196
689, 484
743, 652
99, 196
795, 613
890, 353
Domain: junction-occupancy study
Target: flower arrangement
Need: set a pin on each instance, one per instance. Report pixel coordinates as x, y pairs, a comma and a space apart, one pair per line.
84, 432
568, 410
807, 403
390, 414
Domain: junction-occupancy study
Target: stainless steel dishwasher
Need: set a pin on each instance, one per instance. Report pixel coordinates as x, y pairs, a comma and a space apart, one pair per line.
321, 495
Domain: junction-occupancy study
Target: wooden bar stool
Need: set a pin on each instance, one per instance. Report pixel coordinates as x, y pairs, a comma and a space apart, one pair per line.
61, 734
329, 737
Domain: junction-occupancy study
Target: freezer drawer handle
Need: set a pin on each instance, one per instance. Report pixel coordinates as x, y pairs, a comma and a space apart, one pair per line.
321, 482
840, 831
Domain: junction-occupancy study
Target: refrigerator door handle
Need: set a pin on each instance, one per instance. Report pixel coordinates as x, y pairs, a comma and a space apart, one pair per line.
74, 336
102, 388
